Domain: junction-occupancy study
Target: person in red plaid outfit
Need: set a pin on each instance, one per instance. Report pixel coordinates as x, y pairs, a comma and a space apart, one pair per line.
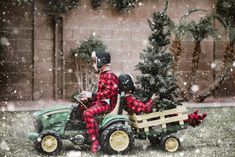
132, 105
104, 100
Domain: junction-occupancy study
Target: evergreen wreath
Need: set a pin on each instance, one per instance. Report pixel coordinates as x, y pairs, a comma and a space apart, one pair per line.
61, 6
119, 5
86, 47
123, 5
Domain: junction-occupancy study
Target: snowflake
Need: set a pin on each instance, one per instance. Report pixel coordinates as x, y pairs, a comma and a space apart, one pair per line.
4, 41
140, 4
234, 63
197, 151
145, 42
23, 59
195, 88
70, 70
213, 65
185, 83
15, 31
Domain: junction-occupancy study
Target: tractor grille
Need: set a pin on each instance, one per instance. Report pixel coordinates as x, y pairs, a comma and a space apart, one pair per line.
37, 125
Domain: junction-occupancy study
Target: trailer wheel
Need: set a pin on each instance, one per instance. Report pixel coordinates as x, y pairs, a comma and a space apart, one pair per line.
117, 138
170, 143
49, 143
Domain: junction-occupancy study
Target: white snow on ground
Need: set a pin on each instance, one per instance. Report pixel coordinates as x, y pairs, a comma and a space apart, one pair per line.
74, 154
4, 146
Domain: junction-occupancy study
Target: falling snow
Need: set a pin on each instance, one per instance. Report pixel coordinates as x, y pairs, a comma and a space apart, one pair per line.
4, 41
195, 88
213, 65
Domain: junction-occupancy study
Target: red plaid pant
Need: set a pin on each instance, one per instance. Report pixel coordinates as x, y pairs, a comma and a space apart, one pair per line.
96, 108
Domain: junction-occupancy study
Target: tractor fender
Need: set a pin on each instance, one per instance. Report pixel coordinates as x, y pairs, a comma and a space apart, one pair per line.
107, 121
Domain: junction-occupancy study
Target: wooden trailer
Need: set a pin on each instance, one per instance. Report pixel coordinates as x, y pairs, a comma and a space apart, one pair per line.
158, 126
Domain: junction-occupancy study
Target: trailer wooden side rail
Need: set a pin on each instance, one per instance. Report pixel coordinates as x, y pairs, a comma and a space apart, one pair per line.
161, 119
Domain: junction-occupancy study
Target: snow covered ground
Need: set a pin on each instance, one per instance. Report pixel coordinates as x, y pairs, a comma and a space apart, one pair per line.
214, 138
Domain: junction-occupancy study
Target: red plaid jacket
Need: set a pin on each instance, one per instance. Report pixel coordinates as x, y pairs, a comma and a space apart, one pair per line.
132, 105
107, 88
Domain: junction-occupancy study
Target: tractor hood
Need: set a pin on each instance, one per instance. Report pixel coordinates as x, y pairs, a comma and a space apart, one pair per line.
52, 110
53, 118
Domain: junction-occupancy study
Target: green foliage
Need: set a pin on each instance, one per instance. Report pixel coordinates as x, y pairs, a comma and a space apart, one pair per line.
123, 5
22, 2
96, 3
86, 47
180, 29
156, 62
226, 8
204, 27
61, 6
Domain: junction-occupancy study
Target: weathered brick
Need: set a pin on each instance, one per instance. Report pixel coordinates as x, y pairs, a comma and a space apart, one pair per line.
68, 34
25, 22
24, 67
43, 77
69, 45
44, 33
43, 45
43, 67
43, 56
70, 89
82, 34
24, 45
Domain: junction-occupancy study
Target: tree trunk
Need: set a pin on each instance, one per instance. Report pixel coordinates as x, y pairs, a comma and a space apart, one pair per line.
177, 50
229, 57
194, 68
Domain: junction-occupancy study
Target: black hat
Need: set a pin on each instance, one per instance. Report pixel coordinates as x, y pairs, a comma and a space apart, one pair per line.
102, 57
125, 83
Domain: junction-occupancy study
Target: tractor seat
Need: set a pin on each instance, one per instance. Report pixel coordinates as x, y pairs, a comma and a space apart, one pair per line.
115, 111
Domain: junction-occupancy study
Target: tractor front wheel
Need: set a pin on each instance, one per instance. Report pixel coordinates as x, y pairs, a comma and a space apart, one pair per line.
49, 143
117, 138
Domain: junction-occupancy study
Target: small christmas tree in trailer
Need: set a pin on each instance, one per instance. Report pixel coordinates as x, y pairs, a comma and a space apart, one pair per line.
156, 63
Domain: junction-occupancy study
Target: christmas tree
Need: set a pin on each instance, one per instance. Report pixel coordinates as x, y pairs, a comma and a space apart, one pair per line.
156, 62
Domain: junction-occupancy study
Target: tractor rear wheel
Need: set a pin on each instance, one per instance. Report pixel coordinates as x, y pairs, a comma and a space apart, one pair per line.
117, 138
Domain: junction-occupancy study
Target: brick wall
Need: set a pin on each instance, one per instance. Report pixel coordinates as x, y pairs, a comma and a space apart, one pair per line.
124, 35
16, 61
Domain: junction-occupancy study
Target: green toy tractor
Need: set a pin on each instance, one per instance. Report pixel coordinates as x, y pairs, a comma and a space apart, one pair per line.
62, 122
117, 131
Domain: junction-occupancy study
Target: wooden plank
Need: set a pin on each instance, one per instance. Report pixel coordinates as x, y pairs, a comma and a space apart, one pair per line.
133, 117
160, 122
181, 122
146, 129
162, 118
179, 109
